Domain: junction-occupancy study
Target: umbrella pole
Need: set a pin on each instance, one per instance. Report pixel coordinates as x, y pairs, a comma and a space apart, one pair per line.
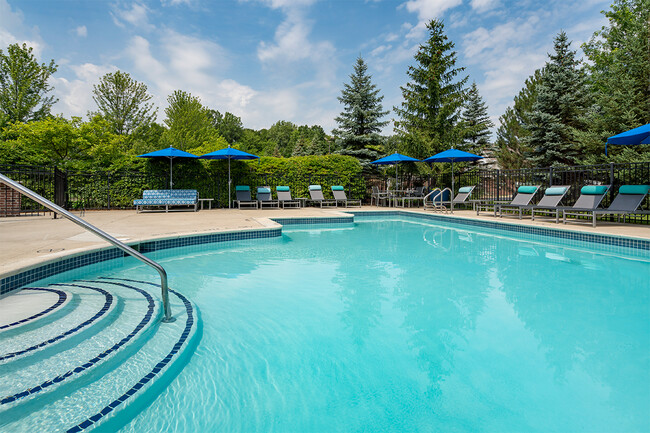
171, 183
229, 182
452, 186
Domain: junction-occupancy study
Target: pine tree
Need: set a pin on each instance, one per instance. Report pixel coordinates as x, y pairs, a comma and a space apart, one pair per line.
513, 129
558, 113
360, 122
476, 125
432, 98
619, 55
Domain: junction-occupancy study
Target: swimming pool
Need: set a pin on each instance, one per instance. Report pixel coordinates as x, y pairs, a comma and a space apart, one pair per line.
404, 324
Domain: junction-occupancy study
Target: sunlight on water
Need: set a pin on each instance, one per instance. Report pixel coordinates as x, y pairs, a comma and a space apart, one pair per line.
410, 326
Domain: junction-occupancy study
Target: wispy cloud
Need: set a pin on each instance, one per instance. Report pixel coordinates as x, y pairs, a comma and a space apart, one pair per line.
137, 15
427, 10
14, 30
81, 31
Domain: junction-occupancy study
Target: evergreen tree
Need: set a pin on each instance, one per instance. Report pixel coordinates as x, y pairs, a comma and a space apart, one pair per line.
619, 59
360, 122
558, 113
513, 129
124, 102
433, 98
24, 85
476, 125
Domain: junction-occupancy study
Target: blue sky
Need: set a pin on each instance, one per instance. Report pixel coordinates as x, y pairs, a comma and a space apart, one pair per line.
270, 60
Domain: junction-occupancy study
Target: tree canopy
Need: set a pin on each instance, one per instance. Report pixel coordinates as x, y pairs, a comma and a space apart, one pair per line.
124, 102
24, 85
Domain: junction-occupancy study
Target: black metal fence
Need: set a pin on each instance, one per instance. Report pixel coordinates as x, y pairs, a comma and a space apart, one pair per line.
117, 190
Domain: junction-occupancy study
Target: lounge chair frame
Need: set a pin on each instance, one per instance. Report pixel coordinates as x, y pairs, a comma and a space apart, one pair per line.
341, 197
244, 197
265, 198
285, 199
623, 204
547, 202
316, 195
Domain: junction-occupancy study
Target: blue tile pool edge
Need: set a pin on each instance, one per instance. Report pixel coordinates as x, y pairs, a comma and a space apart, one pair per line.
559, 233
21, 277
26, 276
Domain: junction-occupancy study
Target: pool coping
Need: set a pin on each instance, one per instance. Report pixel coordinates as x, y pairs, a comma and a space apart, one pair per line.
272, 227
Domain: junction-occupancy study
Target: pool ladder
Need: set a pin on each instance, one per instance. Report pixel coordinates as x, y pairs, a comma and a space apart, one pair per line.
437, 193
91, 228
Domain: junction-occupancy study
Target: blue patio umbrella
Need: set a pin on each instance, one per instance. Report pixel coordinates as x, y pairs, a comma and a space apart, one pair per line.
229, 153
171, 153
394, 159
640, 135
452, 155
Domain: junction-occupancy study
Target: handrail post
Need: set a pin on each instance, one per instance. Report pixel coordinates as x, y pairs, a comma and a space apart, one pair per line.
80, 222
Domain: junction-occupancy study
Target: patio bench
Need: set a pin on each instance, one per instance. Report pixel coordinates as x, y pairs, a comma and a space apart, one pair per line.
167, 198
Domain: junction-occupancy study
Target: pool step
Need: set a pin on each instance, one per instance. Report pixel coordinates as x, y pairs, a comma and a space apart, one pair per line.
127, 353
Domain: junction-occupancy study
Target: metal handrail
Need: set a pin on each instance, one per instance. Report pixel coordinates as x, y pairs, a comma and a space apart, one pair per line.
127, 249
433, 200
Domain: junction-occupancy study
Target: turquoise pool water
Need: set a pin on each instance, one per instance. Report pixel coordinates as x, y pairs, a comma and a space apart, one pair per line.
410, 326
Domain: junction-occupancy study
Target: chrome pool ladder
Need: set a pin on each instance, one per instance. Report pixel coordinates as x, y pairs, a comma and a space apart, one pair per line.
91, 228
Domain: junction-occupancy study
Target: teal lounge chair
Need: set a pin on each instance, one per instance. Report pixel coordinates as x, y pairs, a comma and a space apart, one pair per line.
285, 199
264, 198
551, 199
339, 195
626, 202
316, 194
590, 198
243, 193
525, 194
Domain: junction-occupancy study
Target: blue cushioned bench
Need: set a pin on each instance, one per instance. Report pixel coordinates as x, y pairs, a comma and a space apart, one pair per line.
167, 198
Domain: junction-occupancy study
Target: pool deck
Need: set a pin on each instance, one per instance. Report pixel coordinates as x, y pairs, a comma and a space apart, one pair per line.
29, 240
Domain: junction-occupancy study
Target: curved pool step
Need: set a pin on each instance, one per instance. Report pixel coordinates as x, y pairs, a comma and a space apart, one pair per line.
120, 383
75, 319
37, 310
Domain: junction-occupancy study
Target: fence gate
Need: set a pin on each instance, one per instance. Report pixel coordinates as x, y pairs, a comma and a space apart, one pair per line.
60, 188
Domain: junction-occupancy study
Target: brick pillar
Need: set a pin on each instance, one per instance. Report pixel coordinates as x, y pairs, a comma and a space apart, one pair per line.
9, 201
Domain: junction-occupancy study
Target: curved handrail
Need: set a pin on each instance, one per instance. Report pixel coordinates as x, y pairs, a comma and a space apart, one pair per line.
127, 249
433, 199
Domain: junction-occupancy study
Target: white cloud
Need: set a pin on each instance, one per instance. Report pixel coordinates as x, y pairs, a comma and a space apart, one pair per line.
75, 95
136, 16
426, 11
484, 5
82, 31
14, 30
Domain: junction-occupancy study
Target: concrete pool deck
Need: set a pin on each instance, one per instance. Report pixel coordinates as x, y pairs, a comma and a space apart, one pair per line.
29, 240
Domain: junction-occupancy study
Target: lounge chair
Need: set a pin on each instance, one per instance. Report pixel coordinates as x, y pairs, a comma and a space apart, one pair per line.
243, 193
378, 196
284, 197
626, 202
339, 195
525, 194
316, 194
590, 198
264, 197
551, 199
462, 196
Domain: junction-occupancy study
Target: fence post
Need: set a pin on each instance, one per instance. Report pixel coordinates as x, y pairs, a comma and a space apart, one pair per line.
498, 184
550, 176
611, 173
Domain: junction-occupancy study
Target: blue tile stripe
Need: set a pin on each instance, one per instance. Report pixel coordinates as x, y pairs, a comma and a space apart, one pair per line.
24, 278
108, 300
618, 241
62, 297
189, 323
314, 220
92, 362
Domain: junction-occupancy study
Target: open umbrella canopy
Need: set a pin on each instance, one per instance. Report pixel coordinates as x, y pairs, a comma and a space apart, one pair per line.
171, 153
452, 155
395, 158
229, 153
640, 135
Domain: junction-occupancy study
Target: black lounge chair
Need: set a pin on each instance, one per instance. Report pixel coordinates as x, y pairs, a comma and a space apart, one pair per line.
626, 202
